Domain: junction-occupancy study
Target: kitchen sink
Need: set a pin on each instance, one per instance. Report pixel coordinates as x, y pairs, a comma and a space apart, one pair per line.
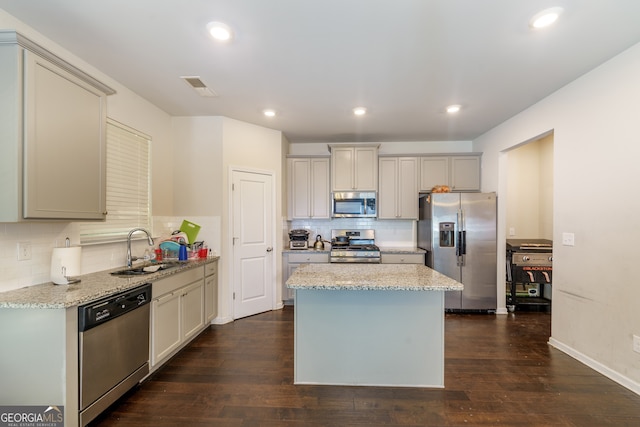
144, 270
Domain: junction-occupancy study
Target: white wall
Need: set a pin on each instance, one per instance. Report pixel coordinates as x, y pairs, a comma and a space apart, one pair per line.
596, 177
529, 195
249, 147
211, 146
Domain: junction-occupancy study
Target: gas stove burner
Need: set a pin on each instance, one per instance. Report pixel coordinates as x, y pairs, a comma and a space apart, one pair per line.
354, 246
362, 248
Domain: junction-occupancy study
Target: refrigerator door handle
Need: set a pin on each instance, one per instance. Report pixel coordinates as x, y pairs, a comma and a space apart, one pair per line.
463, 242
461, 247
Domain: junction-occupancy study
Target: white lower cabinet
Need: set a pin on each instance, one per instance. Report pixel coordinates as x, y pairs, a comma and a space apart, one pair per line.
192, 306
177, 313
291, 261
166, 335
210, 291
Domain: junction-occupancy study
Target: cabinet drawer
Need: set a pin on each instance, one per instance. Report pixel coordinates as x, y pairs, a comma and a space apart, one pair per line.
211, 268
305, 257
402, 258
171, 283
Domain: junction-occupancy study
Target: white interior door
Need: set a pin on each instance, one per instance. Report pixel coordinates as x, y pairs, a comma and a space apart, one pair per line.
253, 225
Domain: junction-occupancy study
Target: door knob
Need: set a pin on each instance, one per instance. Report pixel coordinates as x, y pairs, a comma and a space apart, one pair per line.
269, 249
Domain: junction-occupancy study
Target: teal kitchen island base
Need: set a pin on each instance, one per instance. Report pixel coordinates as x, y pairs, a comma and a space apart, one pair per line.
371, 325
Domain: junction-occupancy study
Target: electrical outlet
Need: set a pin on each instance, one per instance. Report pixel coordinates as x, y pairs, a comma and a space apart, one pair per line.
512, 231
568, 239
636, 344
24, 251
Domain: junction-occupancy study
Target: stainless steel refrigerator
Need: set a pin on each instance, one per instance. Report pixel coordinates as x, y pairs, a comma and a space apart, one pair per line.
458, 230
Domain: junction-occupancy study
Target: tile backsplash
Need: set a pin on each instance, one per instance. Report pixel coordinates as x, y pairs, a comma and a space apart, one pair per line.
389, 233
42, 237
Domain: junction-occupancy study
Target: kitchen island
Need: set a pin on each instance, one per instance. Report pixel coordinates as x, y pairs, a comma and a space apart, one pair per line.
369, 324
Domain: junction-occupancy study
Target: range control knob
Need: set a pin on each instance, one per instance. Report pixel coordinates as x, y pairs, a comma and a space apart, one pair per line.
526, 258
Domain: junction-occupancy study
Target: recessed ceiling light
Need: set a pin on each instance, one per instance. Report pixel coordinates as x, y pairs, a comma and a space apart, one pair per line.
359, 111
220, 31
269, 113
545, 18
453, 108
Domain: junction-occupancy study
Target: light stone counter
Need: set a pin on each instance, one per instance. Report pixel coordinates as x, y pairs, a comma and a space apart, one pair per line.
326, 250
387, 277
369, 324
401, 250
92, 286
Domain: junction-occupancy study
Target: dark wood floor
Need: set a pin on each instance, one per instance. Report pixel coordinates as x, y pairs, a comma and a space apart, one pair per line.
499, 370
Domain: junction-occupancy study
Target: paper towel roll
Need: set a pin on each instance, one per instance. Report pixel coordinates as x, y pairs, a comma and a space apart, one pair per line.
65, 262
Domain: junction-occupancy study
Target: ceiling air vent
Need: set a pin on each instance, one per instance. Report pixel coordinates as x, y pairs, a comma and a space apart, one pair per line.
199, 86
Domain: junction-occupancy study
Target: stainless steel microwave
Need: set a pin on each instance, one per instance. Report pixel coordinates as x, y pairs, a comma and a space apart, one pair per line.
353, 205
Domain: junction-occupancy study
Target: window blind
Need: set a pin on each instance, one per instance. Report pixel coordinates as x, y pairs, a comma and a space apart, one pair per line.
128, 186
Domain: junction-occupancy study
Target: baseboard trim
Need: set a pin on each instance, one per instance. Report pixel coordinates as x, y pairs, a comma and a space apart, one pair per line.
221, 320
597, 366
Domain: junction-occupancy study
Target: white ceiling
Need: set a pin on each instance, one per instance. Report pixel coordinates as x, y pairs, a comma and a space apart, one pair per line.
314, 60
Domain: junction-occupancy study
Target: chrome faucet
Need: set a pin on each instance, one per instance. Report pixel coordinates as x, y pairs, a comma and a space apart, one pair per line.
130, 258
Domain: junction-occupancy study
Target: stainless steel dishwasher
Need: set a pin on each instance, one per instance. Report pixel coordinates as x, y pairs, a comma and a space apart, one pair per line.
113, 348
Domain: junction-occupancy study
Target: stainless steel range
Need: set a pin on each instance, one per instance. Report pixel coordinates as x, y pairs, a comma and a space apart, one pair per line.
354, 246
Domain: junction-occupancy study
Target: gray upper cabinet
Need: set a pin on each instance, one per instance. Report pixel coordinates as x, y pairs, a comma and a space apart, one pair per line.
53, 152
398, 184
433, 171
354, 168
308, 183
465, 173
460, 172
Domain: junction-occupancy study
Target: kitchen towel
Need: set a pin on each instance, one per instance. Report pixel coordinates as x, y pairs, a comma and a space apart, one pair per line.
65, 263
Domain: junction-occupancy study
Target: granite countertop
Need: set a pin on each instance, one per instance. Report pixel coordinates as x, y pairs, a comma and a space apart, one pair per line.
326, 250
400, 250
389, 277
92, 286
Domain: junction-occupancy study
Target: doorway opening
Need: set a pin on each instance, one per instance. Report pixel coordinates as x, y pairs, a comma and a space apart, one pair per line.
529, 213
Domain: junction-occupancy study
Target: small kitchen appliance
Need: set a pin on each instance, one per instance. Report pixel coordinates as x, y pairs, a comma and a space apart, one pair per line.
357, 246
319, 244
353, 205
65, 264
299, 239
